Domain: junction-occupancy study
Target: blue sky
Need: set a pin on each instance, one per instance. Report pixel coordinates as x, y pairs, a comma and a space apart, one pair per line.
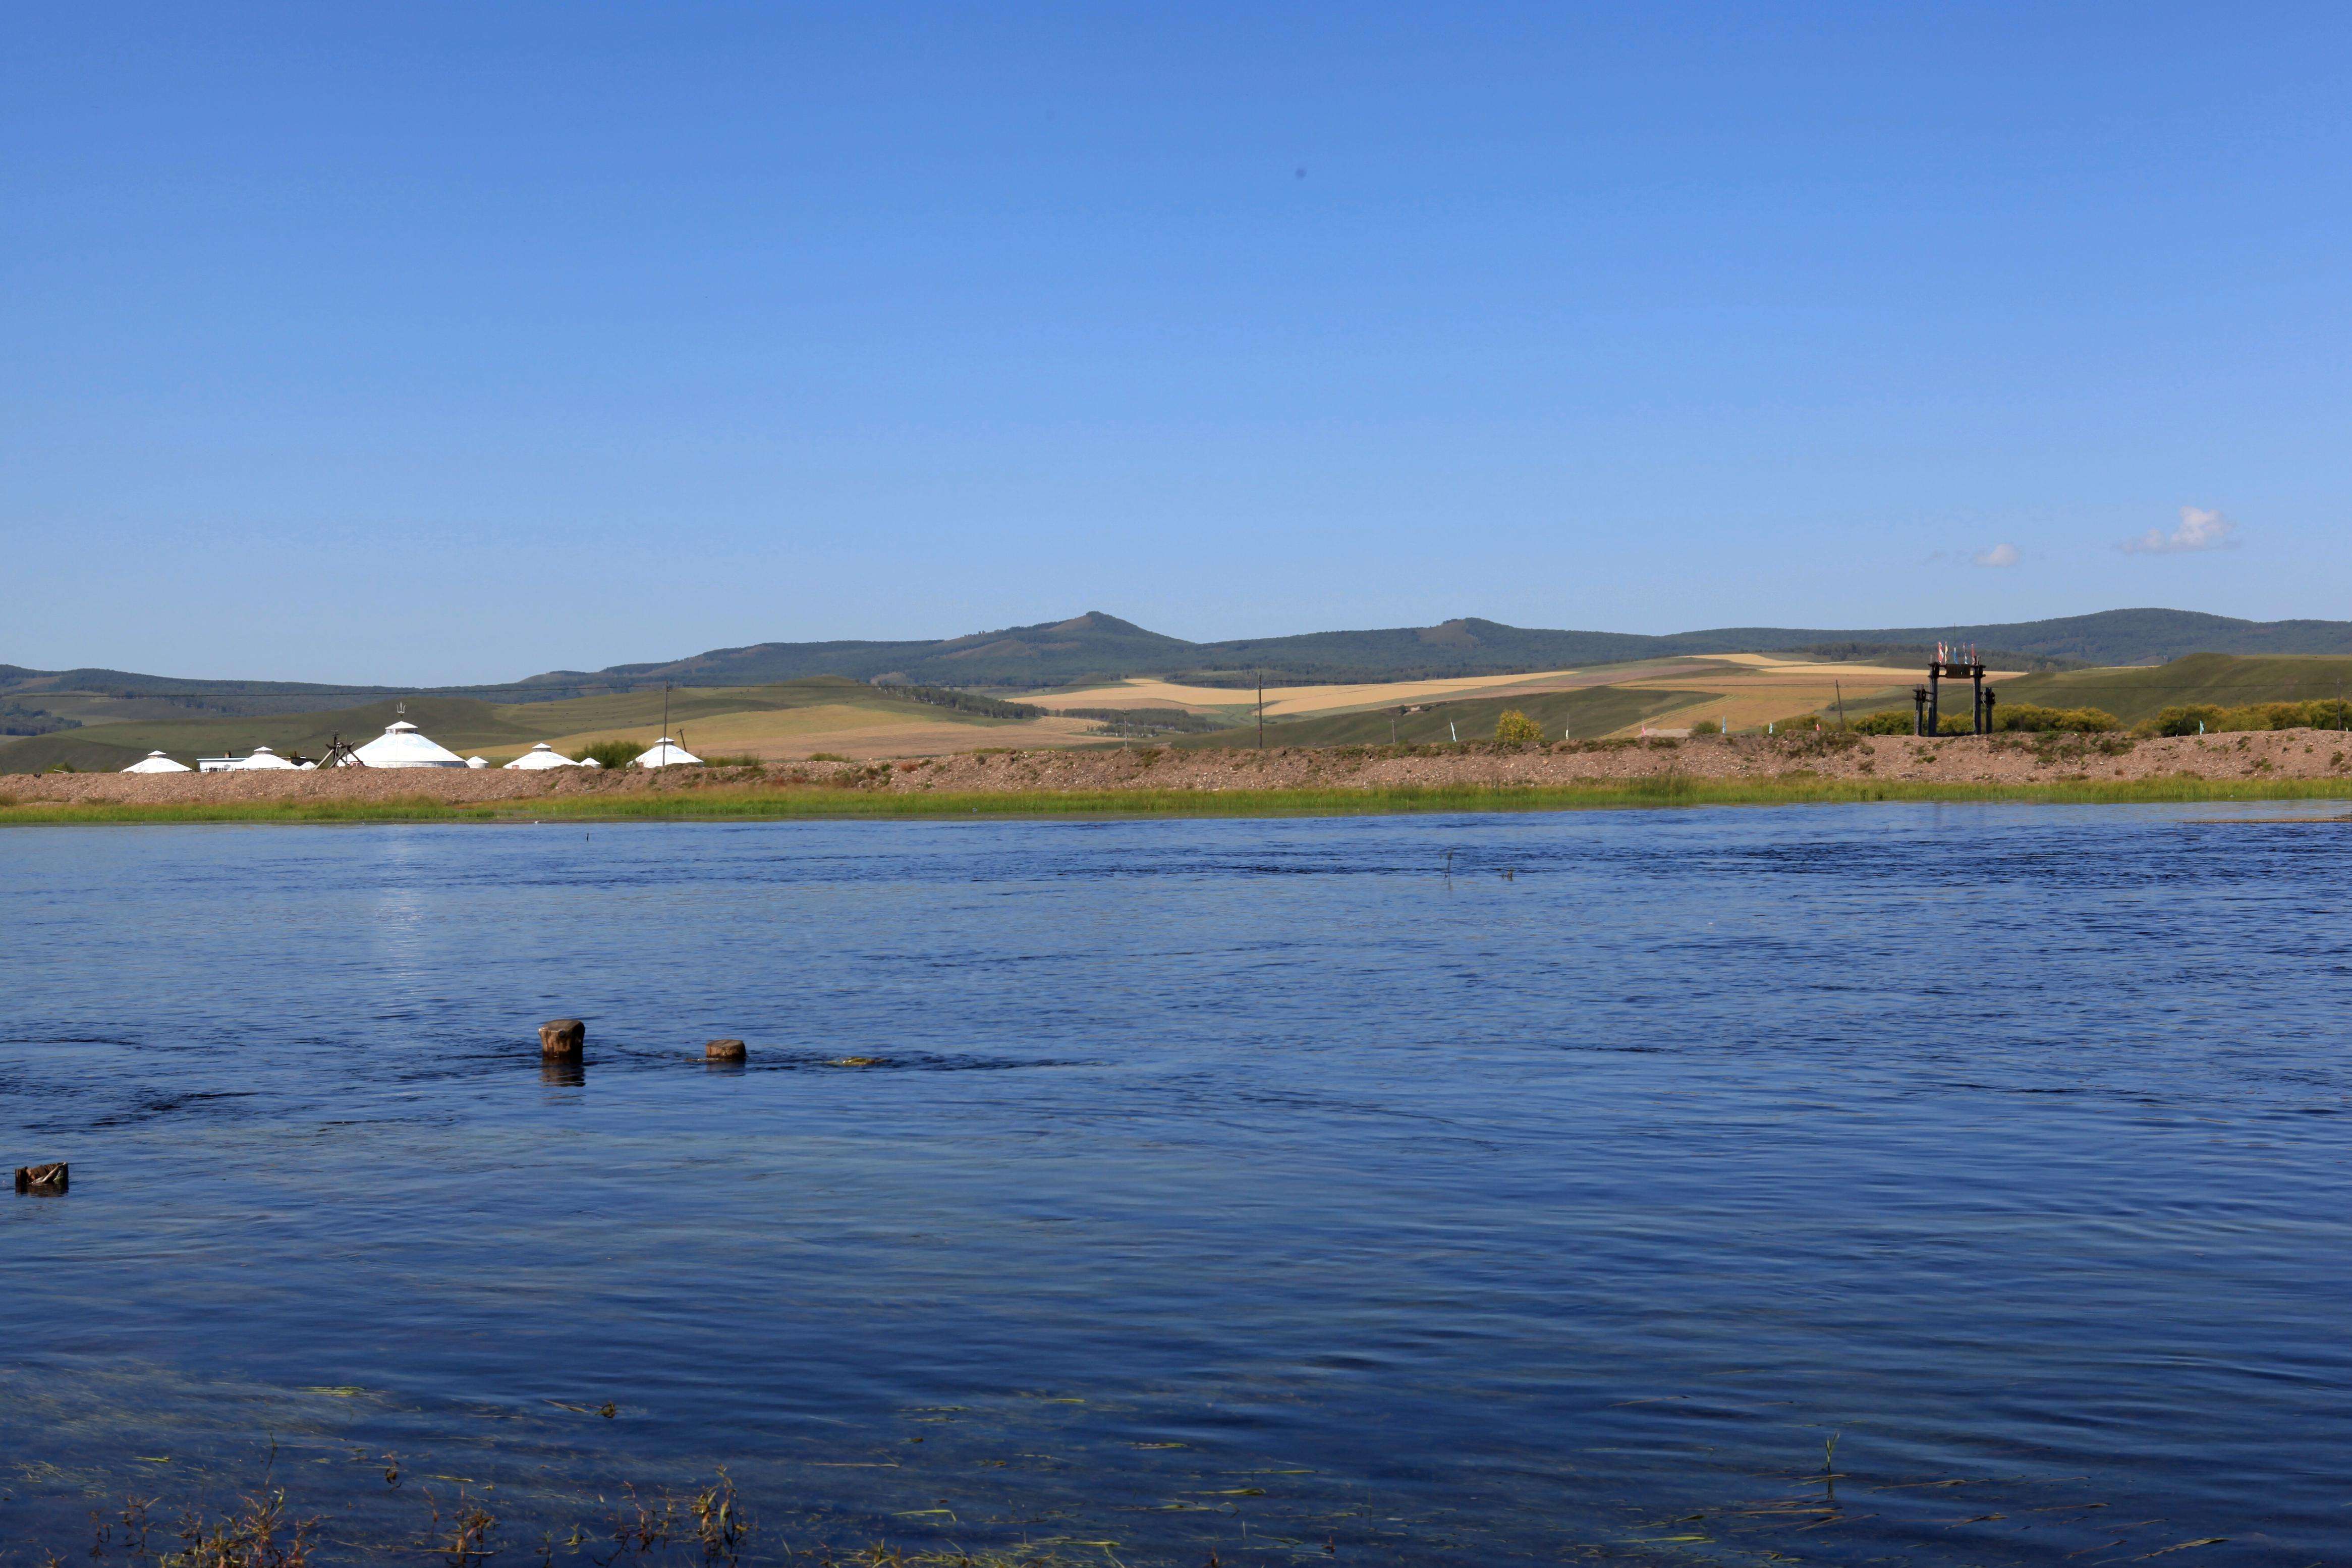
448, 342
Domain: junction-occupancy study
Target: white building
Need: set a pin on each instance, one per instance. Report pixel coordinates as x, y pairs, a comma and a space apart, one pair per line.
402, 745
262, 760
543, 756
157, 763
665, 754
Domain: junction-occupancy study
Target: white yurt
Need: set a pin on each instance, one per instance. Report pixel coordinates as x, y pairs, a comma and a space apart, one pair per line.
665, 754
402, 745
543, 756
477, 761
157, 763
262, 758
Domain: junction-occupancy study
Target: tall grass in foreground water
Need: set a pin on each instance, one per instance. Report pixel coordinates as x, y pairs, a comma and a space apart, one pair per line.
820, 800
706, 1525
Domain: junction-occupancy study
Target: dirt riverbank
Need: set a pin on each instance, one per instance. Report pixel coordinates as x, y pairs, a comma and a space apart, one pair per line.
2001, 759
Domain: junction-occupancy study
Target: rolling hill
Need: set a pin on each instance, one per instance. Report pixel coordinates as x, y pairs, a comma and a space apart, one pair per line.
1095, 648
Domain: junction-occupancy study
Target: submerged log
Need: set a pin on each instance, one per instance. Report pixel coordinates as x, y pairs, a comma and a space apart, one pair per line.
725, 1050
48, 1178
561, 1037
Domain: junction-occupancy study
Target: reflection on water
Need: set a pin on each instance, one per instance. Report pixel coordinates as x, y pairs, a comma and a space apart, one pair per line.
1903, 1183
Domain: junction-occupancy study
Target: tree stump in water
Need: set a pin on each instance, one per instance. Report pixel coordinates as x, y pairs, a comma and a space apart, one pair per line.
725, 1051
561, 1037
41, 1178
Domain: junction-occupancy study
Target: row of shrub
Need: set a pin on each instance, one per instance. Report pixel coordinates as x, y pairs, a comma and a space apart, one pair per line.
2197, 718
2188, 719
1147, 721
2025, 718
963, 701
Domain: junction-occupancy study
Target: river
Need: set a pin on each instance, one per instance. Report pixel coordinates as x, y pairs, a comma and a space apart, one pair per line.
1866, 1184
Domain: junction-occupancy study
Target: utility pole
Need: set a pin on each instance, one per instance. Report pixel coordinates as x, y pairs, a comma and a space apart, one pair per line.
1260, 710
1840, 686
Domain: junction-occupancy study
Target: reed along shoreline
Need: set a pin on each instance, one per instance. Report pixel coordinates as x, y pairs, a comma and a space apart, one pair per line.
1144, 781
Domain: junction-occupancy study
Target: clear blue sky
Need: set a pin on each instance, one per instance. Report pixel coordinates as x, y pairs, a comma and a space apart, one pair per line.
439, 342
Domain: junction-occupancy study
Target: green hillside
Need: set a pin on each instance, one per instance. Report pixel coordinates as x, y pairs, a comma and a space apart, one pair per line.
2226, 681
1095, 645
464, 724
1592, 711
1084, 647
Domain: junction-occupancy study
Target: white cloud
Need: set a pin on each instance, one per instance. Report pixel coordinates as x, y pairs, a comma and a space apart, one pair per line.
1999, 555
2199, 529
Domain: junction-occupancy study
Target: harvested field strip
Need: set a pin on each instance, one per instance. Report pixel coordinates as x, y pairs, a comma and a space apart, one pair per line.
818, 801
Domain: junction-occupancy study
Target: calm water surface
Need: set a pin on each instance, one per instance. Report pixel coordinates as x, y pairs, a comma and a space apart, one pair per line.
1253, 1187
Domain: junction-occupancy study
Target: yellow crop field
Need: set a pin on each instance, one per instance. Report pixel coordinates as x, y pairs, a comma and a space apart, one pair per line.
843, 729
1303, 701
1752, 690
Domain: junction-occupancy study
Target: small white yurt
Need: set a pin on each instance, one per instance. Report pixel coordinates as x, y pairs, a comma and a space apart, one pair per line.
262, 758
157, 763
665, 754
543, 756
402, 745
477, 761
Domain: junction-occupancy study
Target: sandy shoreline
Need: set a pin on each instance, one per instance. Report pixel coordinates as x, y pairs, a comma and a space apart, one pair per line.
2004, 760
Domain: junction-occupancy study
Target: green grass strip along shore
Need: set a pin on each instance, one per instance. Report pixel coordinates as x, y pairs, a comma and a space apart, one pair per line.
816, 802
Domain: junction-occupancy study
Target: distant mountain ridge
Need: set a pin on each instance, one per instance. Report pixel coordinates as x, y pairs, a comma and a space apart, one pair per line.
1100, 645
1096, 646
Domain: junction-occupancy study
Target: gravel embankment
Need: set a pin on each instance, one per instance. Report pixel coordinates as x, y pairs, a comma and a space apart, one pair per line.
1998, 760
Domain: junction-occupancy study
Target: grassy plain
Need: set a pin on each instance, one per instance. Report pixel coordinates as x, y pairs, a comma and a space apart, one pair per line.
1289, 703
794, 720
1749, 690
1589, 713
790, 718
2226, 680
1739, 691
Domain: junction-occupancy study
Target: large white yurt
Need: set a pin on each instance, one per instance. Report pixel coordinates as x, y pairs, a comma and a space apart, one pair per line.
665, 754
262, 758
543, 756
402, 745
157, 763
